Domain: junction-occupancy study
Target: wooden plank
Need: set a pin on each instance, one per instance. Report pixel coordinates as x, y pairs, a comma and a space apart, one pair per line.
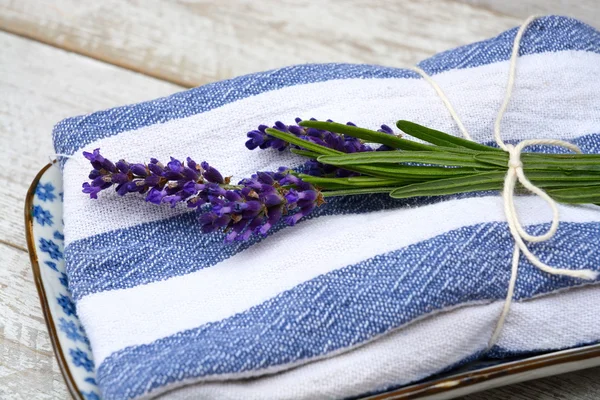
28, 369
191, 43
584, 10
40, 85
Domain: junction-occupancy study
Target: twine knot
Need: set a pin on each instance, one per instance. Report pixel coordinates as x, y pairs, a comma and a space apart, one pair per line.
514, 160
516, 174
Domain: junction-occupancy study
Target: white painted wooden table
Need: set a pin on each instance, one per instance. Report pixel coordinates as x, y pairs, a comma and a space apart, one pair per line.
66, 57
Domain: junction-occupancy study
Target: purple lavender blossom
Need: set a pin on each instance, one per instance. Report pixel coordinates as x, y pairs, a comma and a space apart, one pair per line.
259, 203
258, 138
389, 131
253, 206
344, 143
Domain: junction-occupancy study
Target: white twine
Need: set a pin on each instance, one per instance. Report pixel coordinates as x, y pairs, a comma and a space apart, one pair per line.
515, 173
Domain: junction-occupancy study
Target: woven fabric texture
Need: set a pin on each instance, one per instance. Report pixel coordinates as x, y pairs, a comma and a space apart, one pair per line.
367, 293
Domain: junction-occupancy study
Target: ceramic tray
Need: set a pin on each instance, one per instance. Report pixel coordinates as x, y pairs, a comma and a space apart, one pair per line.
44, 229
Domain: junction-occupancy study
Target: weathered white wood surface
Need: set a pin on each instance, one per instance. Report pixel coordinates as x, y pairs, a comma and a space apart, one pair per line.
584, 10
191, 43
40, 85
194, 42
28, 369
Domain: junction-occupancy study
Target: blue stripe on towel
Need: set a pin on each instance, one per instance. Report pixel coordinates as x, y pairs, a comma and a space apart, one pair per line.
548, 34
352, 305
498, 352
163, 249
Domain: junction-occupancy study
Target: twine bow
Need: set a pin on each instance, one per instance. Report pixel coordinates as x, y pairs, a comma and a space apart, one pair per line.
516, 174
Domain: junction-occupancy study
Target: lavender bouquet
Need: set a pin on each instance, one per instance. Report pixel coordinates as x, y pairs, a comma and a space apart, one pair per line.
343, 160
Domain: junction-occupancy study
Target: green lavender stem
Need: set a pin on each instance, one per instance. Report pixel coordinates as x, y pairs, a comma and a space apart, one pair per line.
446, 165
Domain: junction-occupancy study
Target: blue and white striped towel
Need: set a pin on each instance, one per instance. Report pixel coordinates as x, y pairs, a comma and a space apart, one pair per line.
366, 294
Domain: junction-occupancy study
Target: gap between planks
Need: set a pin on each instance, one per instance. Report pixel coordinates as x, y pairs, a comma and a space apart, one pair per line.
72, 49
14, 245
45, 85
195, 43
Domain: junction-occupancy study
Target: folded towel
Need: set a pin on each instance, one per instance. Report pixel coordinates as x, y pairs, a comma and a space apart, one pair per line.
412, 353
368, 292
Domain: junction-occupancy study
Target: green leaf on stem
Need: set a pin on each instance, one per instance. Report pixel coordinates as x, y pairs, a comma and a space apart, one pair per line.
395, 157
576, 195
293, 139
347, 192
305, 153
463, 184
411, 172
440, 138
357, 181
369, 135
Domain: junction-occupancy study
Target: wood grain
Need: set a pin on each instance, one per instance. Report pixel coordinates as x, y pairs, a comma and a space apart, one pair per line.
41, 85
35, 97
584, 10
191, 43
28, 369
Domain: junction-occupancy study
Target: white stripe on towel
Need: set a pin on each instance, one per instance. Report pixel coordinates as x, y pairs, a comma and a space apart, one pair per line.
120, 318
424, 347
553, 98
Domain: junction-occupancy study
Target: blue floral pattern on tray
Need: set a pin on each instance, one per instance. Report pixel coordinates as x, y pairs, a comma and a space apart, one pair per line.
46, 213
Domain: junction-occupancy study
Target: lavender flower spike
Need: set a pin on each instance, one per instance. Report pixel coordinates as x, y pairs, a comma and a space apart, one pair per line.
347, 144
253, 206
